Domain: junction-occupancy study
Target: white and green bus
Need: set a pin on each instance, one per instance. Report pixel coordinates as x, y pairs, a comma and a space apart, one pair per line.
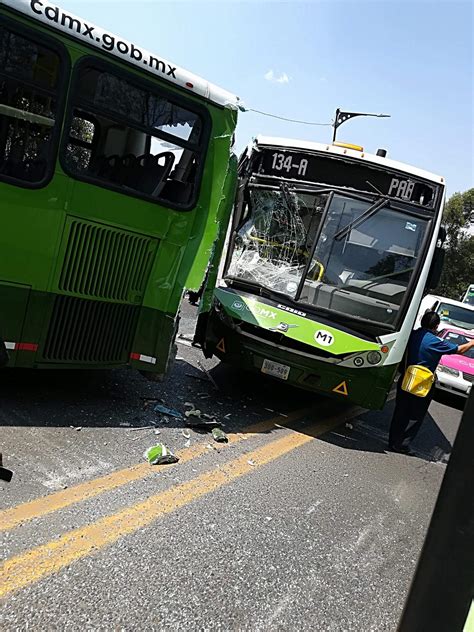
328, 255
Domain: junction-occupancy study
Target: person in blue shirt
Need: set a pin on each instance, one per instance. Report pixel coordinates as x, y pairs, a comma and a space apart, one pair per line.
424, 348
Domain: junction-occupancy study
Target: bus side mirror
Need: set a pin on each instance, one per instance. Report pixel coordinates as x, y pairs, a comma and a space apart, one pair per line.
436, 269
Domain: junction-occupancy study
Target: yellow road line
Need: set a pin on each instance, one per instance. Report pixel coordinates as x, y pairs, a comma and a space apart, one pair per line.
31, 566
10, 518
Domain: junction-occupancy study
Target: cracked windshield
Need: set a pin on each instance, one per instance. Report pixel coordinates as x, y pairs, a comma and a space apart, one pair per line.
362, 263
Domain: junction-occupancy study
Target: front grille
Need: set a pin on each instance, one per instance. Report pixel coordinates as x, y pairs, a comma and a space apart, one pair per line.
106, 263
469, 377
86, 331
280, 339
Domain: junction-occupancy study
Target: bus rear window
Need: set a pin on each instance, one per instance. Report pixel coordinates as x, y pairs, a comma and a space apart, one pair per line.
134, 139
29, 74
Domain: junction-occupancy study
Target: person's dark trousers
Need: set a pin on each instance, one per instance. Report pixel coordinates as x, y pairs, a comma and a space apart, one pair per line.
407, 417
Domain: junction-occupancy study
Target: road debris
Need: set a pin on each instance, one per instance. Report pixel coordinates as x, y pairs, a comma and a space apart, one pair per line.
159, 454
142, 428
148, 401
195, 412
186, 434
164, 410
251, 462
5, 474
182, 339
349, 426
209, 376
157, 431
219, 435
203, 422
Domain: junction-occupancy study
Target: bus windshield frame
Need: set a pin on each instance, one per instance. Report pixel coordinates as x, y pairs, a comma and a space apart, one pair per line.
309, 268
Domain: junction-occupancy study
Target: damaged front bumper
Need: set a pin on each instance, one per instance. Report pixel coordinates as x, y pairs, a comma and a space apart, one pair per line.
303, 369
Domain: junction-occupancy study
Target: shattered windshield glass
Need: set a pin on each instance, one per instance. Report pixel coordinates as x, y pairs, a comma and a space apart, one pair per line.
274, 242
367, 268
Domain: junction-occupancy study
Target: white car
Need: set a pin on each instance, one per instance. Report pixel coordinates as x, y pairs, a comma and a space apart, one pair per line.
452, 313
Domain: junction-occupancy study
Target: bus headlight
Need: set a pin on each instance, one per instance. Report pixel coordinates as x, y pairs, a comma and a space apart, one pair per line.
374, 357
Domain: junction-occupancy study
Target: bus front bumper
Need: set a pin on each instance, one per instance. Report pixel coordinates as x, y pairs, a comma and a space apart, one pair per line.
367, 387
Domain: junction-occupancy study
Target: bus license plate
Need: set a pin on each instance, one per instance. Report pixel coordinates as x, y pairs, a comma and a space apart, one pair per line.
275, 369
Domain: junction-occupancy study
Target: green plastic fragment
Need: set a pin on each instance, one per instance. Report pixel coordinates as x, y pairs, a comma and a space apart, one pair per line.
159, 454
219, 435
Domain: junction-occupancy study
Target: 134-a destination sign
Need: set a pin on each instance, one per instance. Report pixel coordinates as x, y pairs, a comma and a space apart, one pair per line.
335, 171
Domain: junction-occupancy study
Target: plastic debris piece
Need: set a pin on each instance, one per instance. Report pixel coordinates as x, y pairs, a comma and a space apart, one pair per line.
159, 454
157, 431
350, 426
227, 416
142, 428
187, 443
219, 435
78, 429
251, 462
124, 424
164, 410
186, 434
209, 376
5, 474
270, 410
193, 413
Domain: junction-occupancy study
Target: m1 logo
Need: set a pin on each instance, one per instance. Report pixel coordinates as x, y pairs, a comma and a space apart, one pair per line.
323, 338
401, 188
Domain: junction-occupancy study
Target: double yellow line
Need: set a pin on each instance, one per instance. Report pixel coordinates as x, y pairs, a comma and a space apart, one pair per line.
28, 567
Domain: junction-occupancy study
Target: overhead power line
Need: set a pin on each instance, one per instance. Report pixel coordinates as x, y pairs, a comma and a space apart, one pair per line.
284, 118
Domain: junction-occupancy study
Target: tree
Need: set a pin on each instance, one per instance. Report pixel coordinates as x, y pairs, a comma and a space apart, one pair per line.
458, 269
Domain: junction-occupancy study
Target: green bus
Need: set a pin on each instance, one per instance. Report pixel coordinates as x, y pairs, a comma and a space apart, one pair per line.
116, 179
328, 254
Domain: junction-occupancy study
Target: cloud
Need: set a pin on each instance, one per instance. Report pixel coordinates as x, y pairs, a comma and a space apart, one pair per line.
276, 78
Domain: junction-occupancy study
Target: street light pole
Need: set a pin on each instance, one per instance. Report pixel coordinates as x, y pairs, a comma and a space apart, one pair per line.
341, 117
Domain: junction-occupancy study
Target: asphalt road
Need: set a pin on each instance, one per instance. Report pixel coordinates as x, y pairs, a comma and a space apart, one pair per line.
302, 521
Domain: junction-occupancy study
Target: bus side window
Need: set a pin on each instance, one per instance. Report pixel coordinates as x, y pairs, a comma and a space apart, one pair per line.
29, 74
134, 139
82, 141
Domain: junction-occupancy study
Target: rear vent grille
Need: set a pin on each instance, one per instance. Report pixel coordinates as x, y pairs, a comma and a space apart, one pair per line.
103, 262
90, 331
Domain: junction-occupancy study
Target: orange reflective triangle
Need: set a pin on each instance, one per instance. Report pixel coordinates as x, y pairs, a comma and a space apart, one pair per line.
221, 345
341, 389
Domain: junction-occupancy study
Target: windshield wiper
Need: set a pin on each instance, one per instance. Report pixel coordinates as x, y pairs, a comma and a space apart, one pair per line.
372, 210
252, 285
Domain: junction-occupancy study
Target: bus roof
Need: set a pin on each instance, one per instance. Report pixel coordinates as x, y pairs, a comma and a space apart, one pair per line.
341, 151
73, 26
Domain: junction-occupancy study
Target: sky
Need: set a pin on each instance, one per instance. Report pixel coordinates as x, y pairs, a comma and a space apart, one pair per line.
412, 59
